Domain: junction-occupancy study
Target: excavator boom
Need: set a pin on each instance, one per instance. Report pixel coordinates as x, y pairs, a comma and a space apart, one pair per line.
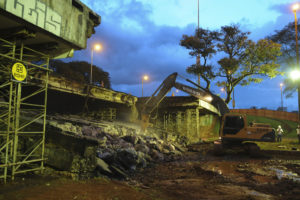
167, 85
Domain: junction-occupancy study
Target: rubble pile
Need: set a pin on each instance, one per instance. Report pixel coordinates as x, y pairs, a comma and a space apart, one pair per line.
87, 149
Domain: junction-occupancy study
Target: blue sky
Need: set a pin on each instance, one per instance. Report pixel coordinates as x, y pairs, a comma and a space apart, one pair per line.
142, 37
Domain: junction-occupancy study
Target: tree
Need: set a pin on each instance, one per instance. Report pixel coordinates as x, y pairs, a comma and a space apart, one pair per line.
203, 44
80, 71
286, 37
246, 61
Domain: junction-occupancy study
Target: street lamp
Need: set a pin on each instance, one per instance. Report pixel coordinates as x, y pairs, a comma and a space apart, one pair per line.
281, 85
96, 47
295, 75
145, 77
295, 9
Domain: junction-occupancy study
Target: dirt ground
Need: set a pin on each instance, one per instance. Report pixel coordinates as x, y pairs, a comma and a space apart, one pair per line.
195, 175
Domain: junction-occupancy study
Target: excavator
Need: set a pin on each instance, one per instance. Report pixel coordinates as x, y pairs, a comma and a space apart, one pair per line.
234, 130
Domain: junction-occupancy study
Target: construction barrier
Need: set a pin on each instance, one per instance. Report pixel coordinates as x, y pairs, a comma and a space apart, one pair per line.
268, 113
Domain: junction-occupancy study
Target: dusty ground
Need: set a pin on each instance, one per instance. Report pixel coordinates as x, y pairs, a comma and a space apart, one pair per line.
196, 175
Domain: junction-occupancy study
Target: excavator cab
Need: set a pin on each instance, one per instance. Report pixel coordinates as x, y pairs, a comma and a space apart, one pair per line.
235, 128
233, 124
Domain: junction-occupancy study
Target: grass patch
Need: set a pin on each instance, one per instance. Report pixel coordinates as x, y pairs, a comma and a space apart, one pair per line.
286, 144
289, 127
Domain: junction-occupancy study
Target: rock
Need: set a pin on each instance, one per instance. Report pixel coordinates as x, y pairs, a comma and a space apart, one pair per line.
58, 158
76, 164
128, 158
102, 141
179, 148
101, 134
89, 151
103, 166
118, 172
156, 155
108, 155
165, 151
67, 126
141, 140
124, 145
169, 147
160, 142
131, 139
141, 160
142, 148
154, 145
89, 131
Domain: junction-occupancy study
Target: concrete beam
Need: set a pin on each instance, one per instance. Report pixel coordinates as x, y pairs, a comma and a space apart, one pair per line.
101, 93
69, 23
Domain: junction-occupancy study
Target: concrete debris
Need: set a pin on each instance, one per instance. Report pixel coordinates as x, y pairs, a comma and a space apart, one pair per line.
103, 166
119, 149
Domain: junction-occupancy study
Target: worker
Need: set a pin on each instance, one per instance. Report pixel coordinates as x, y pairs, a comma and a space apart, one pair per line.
279, 133
298, 133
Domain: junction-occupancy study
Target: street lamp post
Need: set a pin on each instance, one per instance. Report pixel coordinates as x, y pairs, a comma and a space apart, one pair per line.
197, 35
145, 77
281, 85
295, 9
96, 47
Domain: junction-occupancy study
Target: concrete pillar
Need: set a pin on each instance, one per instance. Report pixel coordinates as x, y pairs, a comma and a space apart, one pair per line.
198, 123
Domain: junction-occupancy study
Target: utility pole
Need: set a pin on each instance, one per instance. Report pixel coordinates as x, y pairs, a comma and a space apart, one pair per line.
198, 56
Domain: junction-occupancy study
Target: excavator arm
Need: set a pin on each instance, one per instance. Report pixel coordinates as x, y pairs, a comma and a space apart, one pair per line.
156, 98
167, 85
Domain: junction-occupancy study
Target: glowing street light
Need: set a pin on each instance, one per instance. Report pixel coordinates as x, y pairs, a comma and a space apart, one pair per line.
295, 7
295, 75
145, 77
96, 47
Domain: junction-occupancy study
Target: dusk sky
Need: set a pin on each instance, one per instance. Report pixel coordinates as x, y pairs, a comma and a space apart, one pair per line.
142, 37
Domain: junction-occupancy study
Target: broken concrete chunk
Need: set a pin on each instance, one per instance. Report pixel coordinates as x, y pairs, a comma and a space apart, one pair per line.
103, 166
131, 139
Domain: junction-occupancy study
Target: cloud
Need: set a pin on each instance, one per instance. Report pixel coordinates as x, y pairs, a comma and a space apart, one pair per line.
284, 9
285, 16
133, 45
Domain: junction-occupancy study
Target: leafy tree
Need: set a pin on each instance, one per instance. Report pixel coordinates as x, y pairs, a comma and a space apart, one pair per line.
80, 71
203, 44
246, 61
286, 37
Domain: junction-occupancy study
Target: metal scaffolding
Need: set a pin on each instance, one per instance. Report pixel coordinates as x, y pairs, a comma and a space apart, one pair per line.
22, 109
